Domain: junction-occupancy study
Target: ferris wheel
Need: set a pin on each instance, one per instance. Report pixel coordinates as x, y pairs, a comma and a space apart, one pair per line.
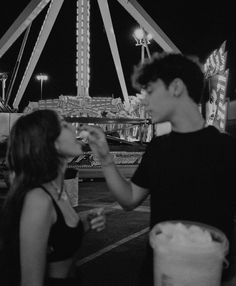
33, 9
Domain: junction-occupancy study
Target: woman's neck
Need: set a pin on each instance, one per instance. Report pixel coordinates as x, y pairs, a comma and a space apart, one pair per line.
59, 180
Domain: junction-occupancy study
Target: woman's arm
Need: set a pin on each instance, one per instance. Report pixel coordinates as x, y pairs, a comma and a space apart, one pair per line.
36, 220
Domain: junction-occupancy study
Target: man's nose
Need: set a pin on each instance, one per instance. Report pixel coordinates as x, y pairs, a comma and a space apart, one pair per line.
144, 101
73, 127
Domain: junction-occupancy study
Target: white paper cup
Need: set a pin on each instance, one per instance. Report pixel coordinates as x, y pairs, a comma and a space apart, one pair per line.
177, 263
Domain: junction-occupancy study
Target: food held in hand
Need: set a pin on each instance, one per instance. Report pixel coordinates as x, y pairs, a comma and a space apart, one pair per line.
83, 134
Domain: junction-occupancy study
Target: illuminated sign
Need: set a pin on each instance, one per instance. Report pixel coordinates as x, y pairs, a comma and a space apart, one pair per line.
217, 77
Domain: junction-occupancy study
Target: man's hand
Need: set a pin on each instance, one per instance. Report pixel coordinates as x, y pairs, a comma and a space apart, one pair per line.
98, 144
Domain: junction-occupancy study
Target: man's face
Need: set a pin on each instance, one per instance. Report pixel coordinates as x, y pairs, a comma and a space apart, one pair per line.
158, 101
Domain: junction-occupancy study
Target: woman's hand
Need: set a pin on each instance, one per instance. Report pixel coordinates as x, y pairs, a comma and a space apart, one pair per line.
97, 219
93, 219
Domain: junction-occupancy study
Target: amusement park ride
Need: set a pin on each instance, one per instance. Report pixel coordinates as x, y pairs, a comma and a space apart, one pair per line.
34, 8
127, 153
23, 23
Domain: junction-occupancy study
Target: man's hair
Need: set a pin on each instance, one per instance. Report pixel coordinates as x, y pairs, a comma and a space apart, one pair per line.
168, 66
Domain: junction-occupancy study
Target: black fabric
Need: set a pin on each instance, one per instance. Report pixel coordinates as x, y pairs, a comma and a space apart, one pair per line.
190, 177
61, 282
146, 276
64, 240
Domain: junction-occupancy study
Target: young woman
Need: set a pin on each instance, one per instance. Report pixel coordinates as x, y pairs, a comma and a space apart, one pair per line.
40, 230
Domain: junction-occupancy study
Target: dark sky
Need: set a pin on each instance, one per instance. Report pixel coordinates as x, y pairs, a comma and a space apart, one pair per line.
195, 29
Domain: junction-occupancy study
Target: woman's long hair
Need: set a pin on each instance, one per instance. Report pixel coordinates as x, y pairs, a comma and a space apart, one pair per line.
32, 161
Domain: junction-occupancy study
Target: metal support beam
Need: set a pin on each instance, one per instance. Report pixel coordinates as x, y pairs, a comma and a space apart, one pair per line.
17, 65
50, 18
21, 23
145, 21
106, 17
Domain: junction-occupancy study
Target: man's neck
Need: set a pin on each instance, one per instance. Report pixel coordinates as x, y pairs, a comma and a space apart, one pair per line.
188, 119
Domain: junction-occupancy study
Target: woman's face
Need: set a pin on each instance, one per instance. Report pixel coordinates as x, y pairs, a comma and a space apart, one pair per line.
66, 144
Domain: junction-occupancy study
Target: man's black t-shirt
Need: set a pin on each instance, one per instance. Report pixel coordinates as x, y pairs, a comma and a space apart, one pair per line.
190, 177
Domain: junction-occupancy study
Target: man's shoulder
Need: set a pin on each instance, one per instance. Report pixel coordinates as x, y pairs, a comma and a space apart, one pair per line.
158, 141
227, 137
222, 135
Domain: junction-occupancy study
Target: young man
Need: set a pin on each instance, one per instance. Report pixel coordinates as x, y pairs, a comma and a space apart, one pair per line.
188, 172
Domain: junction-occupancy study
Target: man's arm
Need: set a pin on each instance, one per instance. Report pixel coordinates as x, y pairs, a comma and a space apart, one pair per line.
125, 192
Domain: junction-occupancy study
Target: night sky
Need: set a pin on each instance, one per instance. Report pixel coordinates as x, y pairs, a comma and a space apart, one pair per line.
196, 29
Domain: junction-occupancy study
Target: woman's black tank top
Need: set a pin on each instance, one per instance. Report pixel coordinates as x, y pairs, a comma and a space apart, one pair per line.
63, 240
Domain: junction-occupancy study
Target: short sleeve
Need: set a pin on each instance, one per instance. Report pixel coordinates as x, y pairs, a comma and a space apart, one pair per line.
141, 175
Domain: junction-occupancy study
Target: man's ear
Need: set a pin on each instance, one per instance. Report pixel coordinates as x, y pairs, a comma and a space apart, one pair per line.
177, 87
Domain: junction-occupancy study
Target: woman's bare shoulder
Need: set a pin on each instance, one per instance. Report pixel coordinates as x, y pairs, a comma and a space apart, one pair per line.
37, 200
37, 216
